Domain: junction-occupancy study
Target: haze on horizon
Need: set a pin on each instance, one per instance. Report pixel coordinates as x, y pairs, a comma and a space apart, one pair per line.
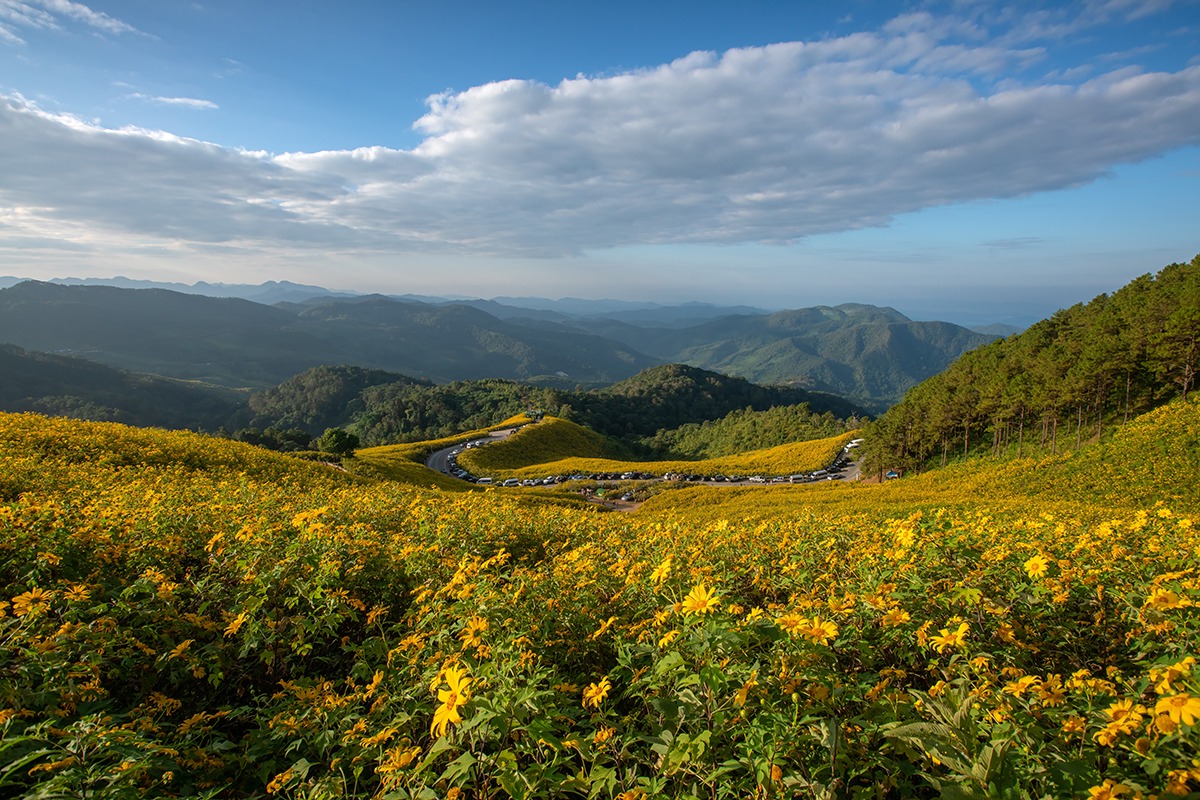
988, 162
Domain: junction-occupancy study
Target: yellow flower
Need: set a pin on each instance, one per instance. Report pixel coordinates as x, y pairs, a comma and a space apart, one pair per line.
398, 758
1036, 567
1108, 790
699, 600
35, 601
792, 623
1126, 713
1019, 687
1073, 726
820, 631
450, 698
1164, 724
472, 635
946, 639
603, 735
1051, 692
1178, 780
895, 617
1164, 677
595, 693
375, 613
744, 693
662, 571
379, 738
181, 648
279, 781
1180, 708
237, 623
1165, 600
603, 629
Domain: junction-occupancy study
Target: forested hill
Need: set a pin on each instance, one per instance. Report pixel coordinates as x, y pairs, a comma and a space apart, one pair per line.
74, 387
677, 394
382, 411
868, 354
322, 397
1059, 383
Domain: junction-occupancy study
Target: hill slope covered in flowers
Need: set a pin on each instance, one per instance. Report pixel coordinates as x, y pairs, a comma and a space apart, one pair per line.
187, 616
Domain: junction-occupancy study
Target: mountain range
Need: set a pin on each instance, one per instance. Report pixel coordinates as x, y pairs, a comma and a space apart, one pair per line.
867, 354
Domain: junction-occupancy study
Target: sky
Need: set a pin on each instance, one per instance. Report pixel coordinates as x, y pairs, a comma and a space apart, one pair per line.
969, 161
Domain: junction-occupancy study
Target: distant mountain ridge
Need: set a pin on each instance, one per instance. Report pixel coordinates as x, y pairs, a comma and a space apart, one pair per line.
868, 354
267, 293
238, 342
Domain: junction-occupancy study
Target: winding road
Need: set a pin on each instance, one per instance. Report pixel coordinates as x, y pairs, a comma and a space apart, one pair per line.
439, 460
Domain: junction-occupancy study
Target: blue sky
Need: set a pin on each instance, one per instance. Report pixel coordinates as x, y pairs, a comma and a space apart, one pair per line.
967, 161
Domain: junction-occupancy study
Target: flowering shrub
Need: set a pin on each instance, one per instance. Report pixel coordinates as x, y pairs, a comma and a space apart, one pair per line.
186, 616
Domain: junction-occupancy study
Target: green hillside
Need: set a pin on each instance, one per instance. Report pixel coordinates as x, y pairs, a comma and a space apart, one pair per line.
746, 429
457, 342
631, 410
322, 397
1063, 382
1154, 458
867, 354
551, 439
677, 394
74, 387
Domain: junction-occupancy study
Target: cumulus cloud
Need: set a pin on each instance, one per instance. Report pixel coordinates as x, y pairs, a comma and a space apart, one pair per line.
761, 144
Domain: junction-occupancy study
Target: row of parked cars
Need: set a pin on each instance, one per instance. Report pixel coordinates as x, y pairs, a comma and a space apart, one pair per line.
459, 472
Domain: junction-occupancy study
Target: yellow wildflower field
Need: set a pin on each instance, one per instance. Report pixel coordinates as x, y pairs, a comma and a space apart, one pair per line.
186, 616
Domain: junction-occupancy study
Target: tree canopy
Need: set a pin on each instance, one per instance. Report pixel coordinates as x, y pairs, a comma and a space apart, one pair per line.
1057, 384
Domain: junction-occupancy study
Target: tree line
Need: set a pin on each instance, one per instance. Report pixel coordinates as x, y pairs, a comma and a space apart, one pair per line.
1057, 384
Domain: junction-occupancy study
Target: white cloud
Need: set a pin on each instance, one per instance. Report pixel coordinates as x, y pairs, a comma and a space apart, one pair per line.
51, 15
764, 144
8, 37
187, 102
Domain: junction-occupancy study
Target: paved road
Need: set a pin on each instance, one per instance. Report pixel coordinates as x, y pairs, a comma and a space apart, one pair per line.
439, 460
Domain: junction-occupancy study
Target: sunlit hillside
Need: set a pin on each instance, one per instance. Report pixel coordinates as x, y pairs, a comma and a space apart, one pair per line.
187, 616
558, 447
550, 440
